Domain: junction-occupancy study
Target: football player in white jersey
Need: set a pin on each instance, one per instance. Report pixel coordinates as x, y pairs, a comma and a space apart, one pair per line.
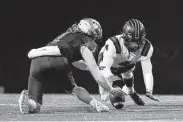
119, 55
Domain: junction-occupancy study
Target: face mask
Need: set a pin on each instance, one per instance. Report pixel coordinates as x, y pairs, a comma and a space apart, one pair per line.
132, 44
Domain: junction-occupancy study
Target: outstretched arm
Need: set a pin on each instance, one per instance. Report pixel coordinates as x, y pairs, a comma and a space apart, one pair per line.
44, 51
93, 68
148, 75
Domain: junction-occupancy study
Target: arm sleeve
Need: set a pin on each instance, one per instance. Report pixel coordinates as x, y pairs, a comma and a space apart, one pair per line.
147, 71
44, 51
150, 53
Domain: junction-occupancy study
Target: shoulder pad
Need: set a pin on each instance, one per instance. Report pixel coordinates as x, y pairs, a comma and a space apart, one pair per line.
116, 44
146, 47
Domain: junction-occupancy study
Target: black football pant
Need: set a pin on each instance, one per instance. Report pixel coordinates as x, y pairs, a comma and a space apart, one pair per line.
118, 71
41, 69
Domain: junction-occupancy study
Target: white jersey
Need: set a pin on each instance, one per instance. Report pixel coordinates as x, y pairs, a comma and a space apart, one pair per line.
115, 54
115, 59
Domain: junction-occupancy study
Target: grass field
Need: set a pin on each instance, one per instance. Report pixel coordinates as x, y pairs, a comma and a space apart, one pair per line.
62, 107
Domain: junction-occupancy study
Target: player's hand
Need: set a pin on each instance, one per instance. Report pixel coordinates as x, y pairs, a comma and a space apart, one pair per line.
150, 96
117, 92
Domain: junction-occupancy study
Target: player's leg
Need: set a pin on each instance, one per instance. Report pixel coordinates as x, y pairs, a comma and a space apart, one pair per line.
128, 88
86, 97
83, 95
28, 105
30, 101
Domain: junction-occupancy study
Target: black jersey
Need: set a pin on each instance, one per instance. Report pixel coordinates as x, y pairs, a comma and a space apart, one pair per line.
70, 43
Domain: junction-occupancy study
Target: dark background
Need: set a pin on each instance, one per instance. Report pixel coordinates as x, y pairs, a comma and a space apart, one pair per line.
30, 24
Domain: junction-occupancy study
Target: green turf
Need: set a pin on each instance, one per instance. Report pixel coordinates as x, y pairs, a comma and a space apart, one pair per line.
60, 107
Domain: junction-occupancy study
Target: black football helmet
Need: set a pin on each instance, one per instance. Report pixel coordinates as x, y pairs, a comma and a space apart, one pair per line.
133, 32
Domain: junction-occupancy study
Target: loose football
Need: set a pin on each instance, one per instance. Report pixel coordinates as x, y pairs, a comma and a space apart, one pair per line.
117, 101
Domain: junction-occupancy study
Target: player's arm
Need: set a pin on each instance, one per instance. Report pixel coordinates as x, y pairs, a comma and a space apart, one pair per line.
107, 60
44, 51
93, 68
56, 50
148, 75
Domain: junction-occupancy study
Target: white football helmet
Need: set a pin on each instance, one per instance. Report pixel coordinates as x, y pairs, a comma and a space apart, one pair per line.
91, 27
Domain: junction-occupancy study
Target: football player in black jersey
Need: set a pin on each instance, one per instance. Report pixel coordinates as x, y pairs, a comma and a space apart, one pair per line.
77, 45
